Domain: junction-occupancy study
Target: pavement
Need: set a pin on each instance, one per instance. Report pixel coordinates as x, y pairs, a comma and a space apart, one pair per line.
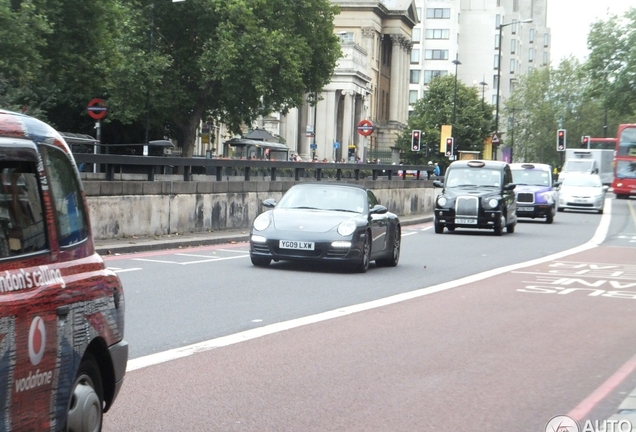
134, 244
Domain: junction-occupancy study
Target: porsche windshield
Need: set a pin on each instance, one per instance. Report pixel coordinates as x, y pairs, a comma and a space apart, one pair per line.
324, 198
466, 176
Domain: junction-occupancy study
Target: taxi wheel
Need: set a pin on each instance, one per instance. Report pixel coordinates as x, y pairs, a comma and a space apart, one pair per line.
510, 228
363, 265
439, 228
260, 261
86, 407
451, 228
550, 216
499, 225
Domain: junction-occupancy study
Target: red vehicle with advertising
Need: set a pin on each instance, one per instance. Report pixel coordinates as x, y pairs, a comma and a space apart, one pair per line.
624, 184
62, 350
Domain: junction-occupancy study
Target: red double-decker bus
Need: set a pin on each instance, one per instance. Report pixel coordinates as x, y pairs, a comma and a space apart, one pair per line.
624, 184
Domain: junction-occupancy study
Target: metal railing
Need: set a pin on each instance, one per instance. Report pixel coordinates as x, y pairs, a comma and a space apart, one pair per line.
219, 168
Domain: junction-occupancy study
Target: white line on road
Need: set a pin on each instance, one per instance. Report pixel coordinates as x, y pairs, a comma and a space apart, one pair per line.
185, 351
124, 270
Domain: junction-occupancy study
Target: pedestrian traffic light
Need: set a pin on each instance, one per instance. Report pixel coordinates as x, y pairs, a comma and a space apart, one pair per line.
586, 141
450, 143
561, 140
416, 138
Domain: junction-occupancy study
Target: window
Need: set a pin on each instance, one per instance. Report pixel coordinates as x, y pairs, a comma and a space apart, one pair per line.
531, 36
513, 46
22, 227
496, 64
530, 69
438, 13
419, 14
415, 56
417, 35
497, 41
514, 26
415, 76
513, 83
346, 37
436, 55
494, 99
429, 75
413, 96
546, 39
495, 81
546, 59
515, 5
531, 54
497, 21
513, 64
70, 213
437, 34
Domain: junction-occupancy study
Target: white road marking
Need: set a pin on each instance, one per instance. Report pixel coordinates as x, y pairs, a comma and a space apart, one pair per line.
404, 234
124, 270
214, 259
427, 228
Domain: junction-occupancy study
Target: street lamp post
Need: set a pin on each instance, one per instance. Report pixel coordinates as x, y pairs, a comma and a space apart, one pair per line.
151, 37
501, 26
456, 62
483, 85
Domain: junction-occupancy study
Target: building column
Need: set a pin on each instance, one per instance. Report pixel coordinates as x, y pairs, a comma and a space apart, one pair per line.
347, 124
327, 117
396, 74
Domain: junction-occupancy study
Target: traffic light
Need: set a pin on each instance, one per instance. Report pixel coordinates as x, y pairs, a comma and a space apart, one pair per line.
586, 141
450, 143
416, 138
561, 140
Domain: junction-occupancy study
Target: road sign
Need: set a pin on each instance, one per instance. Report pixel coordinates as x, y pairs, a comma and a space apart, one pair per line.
313, 146
495, 138
336, 145
365, 127
97, 109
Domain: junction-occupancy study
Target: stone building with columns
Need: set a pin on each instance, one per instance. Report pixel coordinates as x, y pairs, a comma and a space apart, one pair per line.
370, 82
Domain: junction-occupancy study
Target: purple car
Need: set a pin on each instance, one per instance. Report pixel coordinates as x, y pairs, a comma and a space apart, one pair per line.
536, 192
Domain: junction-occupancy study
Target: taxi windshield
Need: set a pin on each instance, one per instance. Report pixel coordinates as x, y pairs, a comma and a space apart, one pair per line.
467, 176
530, 177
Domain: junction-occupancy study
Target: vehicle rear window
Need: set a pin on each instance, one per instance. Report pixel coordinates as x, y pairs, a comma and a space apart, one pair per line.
22, 227
70, 213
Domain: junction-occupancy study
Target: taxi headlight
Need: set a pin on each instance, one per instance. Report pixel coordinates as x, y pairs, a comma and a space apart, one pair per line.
493, 202
346, 228
441, 201
262, 222
548, 198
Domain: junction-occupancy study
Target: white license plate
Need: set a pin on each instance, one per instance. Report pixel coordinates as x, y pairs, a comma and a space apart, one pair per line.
580, 201
466, 221
526, 209
291, 244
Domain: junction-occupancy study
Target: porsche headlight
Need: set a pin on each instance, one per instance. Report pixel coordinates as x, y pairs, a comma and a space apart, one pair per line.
346, 228
262, 222
493, 202
441, 201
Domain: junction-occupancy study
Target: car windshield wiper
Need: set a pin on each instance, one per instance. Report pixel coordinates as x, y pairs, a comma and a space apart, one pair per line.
342, 210
305, 208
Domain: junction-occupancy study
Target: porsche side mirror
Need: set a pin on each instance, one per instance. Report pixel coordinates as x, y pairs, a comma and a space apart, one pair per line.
378, 209
510, 186
269, 203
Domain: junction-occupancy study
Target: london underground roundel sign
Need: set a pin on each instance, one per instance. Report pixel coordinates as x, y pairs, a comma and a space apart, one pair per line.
365, 127
97, 108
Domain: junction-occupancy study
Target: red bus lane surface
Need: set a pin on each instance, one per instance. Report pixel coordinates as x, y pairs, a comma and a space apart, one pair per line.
507, 349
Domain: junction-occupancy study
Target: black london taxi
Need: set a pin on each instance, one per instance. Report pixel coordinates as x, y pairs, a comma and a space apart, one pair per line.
63, 354
476, 194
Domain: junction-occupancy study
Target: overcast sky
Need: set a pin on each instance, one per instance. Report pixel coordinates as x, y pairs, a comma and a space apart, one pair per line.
570, 22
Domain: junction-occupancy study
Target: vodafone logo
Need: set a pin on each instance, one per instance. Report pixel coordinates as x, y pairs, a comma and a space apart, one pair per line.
37, 340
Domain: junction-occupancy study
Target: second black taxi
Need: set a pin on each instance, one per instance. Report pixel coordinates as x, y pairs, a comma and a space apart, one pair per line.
476, 194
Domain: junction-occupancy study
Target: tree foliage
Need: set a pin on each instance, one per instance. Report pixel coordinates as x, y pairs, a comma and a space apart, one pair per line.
473, 118
228, 61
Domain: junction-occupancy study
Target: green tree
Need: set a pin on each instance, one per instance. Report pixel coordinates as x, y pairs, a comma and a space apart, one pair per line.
226, 60
612, 62
473, 119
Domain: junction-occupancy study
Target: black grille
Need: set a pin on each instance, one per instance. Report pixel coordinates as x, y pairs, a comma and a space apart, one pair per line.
525, 198
466, 206
260, 247
297, 253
